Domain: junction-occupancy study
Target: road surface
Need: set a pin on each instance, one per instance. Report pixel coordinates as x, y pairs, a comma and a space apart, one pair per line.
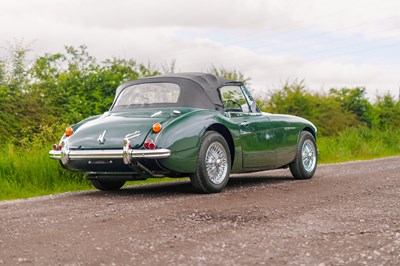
348, 213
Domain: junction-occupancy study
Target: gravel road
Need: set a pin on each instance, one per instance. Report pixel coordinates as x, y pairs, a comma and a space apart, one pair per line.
348, 213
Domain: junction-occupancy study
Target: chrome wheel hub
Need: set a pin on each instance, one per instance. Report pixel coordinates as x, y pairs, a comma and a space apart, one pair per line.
216, 163
308, 156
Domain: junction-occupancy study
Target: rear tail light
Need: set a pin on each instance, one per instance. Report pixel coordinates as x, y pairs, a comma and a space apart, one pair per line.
61, 145
149, 144
55, 147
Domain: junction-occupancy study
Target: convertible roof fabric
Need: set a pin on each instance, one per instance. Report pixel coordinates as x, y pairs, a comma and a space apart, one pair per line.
198, 90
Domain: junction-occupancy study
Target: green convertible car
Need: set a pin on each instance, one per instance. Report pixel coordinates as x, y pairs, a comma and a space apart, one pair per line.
188, 124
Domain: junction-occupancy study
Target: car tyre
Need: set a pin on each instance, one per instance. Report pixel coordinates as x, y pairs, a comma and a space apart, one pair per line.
213, 164
305, 164
107, 185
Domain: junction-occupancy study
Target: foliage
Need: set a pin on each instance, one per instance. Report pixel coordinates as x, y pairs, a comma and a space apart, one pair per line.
387, 112
59, 89
230, 74
25, 173
39, 98
359, 144
354, 101
336, 111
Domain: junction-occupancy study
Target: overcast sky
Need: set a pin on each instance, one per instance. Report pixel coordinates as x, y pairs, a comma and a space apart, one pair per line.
327, 43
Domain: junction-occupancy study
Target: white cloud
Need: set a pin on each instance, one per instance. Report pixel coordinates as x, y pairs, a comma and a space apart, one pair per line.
270, 41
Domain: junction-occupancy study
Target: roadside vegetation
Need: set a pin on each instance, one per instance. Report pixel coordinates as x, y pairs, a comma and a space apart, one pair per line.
40, 97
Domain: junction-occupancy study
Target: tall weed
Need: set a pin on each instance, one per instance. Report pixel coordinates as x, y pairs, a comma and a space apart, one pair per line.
27, 172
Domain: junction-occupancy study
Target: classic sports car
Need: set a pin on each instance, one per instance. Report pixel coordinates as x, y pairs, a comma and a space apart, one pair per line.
189, 124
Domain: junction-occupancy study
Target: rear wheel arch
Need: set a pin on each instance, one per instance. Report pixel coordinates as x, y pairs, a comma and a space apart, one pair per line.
312, 132
224, 131
309, 130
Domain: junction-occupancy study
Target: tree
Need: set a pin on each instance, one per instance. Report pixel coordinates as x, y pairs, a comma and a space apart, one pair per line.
387, 112
58, 89
2, 71
354, 101
230, 74
323, 110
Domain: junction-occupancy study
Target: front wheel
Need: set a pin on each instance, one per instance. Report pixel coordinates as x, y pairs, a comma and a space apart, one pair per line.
107, 185
213, 164
305, 164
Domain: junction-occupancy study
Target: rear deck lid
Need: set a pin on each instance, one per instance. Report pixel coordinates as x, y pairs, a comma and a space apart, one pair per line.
109, 130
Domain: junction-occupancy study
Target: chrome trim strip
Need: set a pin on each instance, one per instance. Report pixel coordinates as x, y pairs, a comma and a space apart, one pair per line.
56, 155
133, 135
157, 153
112, 173
94, 154
156, 114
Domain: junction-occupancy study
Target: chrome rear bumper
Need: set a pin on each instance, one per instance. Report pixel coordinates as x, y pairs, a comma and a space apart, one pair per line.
127, 155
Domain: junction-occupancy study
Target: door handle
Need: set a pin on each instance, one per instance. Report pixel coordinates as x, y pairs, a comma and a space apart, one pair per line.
244, 128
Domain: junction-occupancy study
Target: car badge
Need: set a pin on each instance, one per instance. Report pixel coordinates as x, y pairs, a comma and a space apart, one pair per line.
101, 138
133, 135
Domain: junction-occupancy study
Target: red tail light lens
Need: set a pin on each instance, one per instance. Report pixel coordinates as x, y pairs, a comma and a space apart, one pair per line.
55, 147
149, 144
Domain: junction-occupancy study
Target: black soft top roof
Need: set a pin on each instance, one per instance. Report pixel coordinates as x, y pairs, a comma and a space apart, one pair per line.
198, 90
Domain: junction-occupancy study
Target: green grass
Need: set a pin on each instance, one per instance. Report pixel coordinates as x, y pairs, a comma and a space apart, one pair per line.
28, 172
359, 144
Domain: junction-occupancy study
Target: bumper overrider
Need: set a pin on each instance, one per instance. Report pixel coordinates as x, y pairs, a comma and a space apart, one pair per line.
127, 154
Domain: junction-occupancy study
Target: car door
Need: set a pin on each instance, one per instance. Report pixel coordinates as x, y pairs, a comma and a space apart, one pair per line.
256, 132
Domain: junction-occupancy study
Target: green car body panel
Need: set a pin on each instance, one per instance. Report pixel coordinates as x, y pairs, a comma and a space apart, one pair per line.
257, 141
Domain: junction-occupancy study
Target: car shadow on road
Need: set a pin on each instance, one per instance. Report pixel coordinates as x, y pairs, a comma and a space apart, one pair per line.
248, 181
183, 187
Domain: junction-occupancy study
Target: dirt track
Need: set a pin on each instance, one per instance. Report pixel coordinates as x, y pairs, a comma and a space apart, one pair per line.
347, 214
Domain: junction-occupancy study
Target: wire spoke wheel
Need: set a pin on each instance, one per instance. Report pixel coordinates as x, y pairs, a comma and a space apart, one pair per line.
308, 155
216, 163
213, 164
305, 163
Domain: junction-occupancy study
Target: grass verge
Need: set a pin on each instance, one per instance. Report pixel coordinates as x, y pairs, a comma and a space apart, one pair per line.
28, 172
359, 144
